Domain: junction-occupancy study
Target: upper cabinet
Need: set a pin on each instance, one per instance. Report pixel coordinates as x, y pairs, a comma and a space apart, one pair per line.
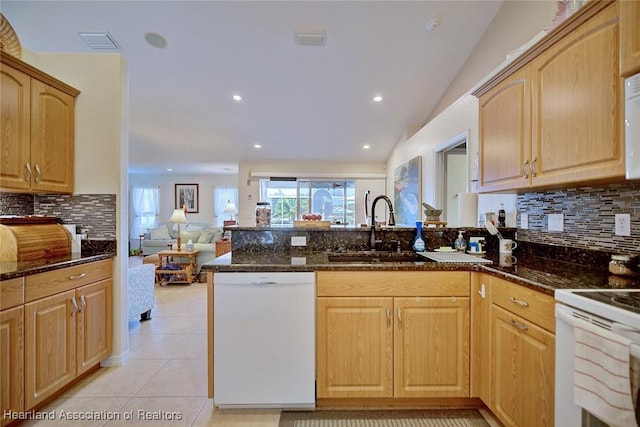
629, 37
554, 116
37, 137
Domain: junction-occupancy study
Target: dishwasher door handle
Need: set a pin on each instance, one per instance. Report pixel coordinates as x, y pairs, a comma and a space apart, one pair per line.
264, 282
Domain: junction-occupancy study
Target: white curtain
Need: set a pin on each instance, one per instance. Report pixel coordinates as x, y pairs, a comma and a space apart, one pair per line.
145, 203
222, 195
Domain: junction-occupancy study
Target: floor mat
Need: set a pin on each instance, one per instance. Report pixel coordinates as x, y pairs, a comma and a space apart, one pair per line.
380, 418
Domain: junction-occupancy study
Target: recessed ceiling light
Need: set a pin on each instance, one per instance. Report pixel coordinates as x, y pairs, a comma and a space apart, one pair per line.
169, 170
155, 40
366, 146
257, 146
432, 25
377, 98
237, 98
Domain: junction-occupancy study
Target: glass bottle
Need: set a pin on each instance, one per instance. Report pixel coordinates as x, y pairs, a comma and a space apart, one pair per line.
263, 214
460, 243
418, 243
502, 216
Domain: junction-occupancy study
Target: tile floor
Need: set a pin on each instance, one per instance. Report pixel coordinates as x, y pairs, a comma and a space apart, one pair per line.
165, 375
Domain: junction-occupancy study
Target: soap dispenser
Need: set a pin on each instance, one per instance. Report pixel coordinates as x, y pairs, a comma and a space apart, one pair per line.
460, 244
418, 243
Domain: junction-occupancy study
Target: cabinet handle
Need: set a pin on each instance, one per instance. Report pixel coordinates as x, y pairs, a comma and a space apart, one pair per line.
399, 317
75, 306
79, 276
534, 162
525, 170
27, 172
388, 317
83, 303
520, 302
518, 325
38, 174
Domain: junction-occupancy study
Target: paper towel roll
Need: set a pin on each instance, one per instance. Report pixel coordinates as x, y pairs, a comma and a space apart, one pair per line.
467, 209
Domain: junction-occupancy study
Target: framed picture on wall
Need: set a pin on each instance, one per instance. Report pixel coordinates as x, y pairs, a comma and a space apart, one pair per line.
407, 179
187, 195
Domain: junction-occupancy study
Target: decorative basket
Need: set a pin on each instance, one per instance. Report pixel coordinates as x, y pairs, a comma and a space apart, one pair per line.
9, 42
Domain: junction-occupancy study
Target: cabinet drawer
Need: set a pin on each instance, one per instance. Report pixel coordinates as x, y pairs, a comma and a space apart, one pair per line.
52, 282
393, 283
12, 291
527, 303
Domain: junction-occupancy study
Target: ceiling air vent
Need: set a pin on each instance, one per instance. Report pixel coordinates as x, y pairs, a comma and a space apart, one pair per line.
310, 39
99, 40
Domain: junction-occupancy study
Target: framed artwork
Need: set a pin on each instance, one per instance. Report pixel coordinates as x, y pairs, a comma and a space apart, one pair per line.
187, 195
407, 192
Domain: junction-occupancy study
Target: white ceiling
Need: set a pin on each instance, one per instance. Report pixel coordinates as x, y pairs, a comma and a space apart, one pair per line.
299, 102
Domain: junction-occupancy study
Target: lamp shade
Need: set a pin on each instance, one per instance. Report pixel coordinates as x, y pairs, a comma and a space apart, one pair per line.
230, 208
178, 217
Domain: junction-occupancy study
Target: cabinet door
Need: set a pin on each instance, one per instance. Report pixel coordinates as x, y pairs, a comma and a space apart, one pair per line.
50, 345
505, 133
523, 371
629, 12
431, 347
577, 100
94, 324
11, 361
52, 136
15, 98
481, 337
354, 347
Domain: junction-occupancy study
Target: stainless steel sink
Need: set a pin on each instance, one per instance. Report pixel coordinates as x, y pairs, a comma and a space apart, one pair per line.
374, 257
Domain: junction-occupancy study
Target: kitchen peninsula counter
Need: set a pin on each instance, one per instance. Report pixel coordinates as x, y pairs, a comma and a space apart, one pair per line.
541, 274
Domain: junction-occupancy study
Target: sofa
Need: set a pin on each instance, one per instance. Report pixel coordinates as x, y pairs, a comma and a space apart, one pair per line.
140, 283
164, 237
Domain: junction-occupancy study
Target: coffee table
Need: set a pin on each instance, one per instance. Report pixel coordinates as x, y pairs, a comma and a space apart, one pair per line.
188, 271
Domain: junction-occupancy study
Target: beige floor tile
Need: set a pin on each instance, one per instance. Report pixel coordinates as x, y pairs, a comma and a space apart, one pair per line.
194, 348
180, 308
177, 325
160, 411
121, 381
210, 416
186, 377
80, 411
154, 346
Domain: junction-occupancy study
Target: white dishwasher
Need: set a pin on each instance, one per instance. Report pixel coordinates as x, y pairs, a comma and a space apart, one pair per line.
264, 340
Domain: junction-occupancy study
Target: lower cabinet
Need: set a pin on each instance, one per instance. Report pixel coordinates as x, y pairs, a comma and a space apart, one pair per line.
522, 355
399, 335
11, 362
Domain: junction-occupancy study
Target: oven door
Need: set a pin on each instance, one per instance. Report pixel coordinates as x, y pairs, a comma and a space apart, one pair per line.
567, 413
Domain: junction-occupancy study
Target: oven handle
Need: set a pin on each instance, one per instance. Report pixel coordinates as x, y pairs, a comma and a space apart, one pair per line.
564, 314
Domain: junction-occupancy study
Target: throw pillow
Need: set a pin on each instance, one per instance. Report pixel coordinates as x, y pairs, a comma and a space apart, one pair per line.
206, 236
194, 236
160, 233
192, 227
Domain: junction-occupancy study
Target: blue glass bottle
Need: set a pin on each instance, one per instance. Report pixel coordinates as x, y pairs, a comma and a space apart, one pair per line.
418, 243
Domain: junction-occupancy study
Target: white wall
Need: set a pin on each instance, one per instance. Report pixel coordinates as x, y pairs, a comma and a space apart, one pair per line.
101, 151
166, 185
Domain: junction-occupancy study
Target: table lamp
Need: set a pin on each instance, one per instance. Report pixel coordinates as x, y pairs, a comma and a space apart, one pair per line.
178, 217
230, 208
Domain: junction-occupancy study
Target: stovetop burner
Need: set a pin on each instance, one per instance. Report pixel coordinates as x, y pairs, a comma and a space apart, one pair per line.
621, 299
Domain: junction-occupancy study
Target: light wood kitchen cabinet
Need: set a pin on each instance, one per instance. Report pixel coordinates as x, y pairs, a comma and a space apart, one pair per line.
68, 326
37, 139
505, 133
481, 336
629, 37
392, 334
523, 355
555, 118
12, 361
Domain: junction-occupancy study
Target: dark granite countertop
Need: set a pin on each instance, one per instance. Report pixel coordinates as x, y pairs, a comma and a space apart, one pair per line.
13, 269
542, 274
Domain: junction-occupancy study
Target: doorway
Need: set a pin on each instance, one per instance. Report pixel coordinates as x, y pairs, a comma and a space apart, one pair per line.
452, 176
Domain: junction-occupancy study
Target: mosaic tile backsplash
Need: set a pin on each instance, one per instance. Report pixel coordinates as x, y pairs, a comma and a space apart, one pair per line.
589, 217
94, 212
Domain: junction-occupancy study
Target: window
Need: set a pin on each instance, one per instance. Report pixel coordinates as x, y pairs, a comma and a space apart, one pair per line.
334, 200
222, 196
145, 204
